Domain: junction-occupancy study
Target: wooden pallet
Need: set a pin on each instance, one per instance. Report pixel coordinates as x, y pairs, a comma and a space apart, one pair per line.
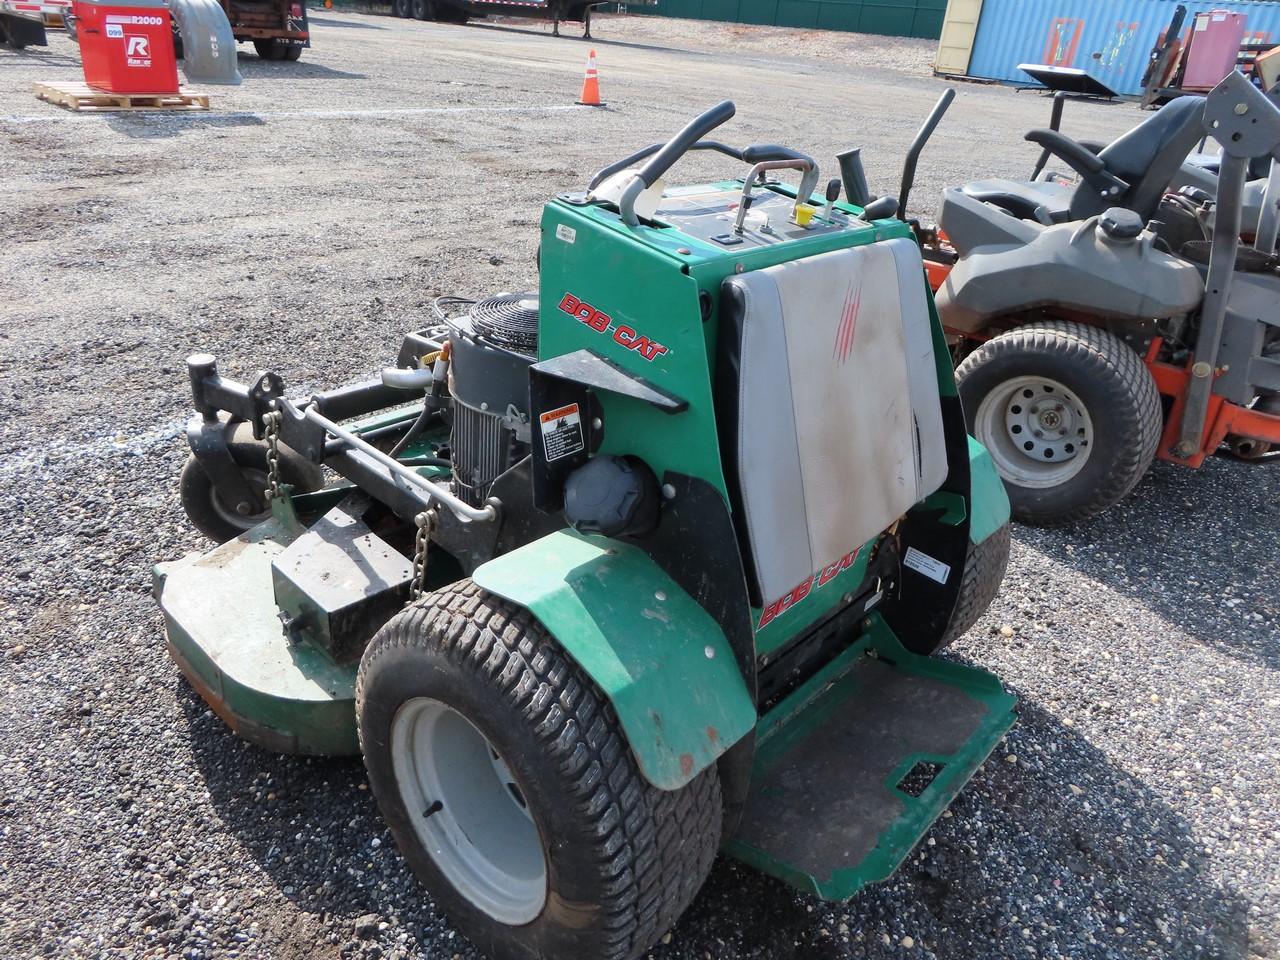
85, 99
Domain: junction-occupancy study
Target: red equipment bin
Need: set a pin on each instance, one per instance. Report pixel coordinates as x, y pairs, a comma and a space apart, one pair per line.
127, 46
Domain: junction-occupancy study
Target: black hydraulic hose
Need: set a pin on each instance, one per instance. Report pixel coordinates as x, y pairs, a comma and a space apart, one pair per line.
414, 431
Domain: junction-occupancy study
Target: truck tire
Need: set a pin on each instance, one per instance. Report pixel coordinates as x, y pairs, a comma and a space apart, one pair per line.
470, 713
422, 9
219, 521
402, 8
276, 49
1069, 413
984, 570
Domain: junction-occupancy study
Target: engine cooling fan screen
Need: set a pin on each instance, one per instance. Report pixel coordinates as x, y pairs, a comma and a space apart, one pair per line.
509, 320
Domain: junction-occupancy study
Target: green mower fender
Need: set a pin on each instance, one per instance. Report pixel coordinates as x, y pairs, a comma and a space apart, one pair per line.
658, 656
988, 502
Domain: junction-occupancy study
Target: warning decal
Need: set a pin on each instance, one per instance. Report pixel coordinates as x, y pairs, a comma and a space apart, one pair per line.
561, 431
932, 568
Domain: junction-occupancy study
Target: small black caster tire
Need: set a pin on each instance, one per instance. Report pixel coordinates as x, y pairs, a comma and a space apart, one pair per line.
220, 521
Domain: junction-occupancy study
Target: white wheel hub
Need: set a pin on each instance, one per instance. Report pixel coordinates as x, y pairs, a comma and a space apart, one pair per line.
1037, 431
468, 810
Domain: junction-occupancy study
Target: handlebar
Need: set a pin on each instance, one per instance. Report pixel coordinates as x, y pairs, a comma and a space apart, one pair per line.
917, 146
668, 154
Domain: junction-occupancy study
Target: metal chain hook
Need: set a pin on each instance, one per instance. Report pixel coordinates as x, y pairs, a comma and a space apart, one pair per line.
271, 420
426, 524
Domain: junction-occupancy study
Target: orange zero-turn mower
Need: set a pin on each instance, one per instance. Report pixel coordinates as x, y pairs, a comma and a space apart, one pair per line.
1122, 321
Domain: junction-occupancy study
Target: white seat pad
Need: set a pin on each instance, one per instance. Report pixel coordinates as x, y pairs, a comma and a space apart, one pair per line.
839, 420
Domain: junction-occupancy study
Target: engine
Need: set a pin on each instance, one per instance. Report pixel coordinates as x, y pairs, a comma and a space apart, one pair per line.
491, 347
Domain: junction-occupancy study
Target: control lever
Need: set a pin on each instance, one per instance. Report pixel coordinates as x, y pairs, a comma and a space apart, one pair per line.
833, 194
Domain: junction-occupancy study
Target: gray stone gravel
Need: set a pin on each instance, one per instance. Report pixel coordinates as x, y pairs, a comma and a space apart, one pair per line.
1132, 812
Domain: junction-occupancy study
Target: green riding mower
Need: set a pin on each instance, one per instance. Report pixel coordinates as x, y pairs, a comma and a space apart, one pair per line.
612, 575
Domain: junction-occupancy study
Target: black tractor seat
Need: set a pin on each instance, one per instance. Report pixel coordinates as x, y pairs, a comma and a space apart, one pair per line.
1133, 171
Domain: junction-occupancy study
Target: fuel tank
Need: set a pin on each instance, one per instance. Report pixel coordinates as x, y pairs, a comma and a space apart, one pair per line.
1095, 266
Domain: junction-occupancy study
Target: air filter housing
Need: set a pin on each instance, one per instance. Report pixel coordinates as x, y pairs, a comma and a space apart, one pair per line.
508, 320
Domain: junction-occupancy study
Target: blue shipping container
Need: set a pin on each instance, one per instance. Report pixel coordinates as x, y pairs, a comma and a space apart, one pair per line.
1110, 40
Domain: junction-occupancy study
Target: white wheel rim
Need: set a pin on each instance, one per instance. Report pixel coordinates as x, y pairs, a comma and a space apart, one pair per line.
468, 811
1037, 431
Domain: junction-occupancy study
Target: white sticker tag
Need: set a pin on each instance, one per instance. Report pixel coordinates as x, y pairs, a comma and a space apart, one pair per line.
873, 600
561, 431
566, 233
923, 563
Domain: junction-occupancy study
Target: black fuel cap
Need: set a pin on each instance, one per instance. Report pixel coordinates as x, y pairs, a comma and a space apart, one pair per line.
612, 496
1120, 223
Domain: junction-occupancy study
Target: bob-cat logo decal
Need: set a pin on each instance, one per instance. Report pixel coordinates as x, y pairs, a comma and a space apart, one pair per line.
623, 335
802, 589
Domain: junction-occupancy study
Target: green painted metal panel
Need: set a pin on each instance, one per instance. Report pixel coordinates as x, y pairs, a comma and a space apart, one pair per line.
223, 629
990, 502
658, 656
904, 18
797, 13
758, 11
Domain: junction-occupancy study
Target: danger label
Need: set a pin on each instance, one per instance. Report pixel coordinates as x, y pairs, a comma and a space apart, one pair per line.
931, 567
561, 432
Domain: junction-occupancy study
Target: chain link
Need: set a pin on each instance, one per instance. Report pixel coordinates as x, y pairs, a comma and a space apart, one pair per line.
426, 524
272, 422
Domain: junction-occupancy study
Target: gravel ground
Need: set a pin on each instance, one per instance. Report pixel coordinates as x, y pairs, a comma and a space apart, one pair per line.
303, 226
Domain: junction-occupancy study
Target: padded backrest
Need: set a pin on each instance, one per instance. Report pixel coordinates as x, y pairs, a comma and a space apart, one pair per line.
831, 421
1147, 158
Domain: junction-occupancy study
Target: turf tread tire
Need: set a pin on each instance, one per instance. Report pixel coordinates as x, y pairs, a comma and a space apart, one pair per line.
651, 849
984, 570
1129, 401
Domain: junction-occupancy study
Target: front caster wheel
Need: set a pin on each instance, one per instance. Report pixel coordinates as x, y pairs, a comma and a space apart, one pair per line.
221, 521
510, 788
1069, 413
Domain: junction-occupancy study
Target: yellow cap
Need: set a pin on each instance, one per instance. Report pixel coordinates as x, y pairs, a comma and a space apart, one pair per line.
804, 213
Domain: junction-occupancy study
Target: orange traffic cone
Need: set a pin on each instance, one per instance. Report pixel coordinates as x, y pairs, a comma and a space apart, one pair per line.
591, 84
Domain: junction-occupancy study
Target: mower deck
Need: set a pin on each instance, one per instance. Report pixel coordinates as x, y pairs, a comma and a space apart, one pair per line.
854, 767
223, 629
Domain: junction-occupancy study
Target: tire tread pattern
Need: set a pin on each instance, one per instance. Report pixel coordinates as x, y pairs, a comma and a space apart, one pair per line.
984, 570
1134, 406
654, 848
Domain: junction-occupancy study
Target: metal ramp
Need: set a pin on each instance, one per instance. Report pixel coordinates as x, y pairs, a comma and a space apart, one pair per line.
854, 766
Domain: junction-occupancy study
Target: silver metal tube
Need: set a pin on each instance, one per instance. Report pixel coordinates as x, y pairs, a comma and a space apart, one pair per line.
804, 166
443, 495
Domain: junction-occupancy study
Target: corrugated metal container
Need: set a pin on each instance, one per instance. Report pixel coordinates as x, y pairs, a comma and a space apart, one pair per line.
1108, 39
897, 18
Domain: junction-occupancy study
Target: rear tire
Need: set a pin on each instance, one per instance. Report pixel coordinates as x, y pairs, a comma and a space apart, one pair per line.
620, 859
422, 9
402, 8
984, 570
1090, 402
276, 49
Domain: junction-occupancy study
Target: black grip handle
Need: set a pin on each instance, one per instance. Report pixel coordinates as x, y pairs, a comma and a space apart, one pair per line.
679, 145
762, 152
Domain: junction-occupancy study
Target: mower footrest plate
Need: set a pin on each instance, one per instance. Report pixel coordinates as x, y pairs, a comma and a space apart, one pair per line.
860, 764
224, 631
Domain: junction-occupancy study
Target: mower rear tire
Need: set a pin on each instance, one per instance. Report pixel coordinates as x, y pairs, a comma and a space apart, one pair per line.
510, 788
1069, 413
204, 506
984, 570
